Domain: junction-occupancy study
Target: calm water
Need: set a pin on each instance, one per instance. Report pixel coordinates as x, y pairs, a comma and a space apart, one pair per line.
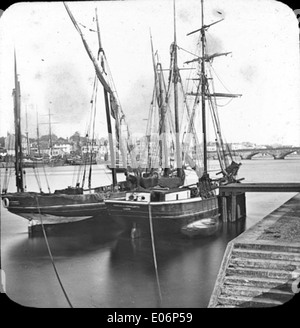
100, 267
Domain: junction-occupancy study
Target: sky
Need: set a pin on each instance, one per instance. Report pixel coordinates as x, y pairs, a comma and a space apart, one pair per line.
56, 73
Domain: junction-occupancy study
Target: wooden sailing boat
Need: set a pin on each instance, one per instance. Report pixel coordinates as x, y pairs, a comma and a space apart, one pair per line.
179, 209
70, 204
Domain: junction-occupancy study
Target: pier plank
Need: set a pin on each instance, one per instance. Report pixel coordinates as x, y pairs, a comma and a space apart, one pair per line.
261, 187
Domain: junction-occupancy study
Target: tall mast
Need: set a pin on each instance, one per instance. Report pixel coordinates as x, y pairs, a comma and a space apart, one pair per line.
162, 130
148, 130
106, 89
18, 136
205, 90
108, 118
203, 86
38, 133
27, 139
175, 71
154, 96
158, 77
110, 139
50, 134
98, 33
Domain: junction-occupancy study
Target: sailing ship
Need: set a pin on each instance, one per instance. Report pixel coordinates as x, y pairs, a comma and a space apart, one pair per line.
36, 159
72, 203
165, 203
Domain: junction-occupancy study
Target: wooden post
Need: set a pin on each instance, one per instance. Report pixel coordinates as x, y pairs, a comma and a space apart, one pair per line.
233, 208
241, 205
244, 205
224, 209
30, 232
238, 210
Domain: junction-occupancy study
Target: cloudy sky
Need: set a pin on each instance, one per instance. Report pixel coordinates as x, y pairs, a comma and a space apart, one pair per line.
55, 71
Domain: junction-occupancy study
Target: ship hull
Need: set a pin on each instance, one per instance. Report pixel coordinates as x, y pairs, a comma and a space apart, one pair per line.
169, 217
54, 208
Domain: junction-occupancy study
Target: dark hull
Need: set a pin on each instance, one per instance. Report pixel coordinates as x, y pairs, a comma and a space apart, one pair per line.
59, 162
54, 208
32, 164
170, 217
46, 163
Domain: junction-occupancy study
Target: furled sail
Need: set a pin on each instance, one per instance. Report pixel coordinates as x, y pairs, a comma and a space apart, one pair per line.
98, 70
18, 135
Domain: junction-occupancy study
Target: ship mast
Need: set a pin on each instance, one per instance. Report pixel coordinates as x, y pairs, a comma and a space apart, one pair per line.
159, 94
50, 134
106, 89
203, 86
175, 72
108, 119
27, 138
206, 94
18, 136
38, 133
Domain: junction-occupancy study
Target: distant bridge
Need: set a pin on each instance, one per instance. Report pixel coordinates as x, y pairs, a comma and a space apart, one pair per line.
277, 153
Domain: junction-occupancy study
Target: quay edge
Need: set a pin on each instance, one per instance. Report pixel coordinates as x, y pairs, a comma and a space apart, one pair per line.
261, 267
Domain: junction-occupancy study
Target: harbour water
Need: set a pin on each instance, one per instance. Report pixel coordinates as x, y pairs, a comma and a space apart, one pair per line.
100, 267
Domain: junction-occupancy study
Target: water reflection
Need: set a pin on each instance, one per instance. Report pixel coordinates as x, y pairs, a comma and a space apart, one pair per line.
102, 267
187, 268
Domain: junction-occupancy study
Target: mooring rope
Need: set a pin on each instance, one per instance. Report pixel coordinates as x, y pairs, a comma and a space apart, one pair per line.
78, 174
37, 177
6, 181
25, 183
8, 168
46, 177
51, 257
73, 175
7, 175
154, 253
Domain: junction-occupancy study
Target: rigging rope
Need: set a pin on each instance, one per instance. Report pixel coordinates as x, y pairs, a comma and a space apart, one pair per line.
154, 253
187, 51
217, 105
84, 170
78, 175
120, 117
37, 177
24, 176
93, 130
73, 176
230, 100
8, 169
88, 131
7, 175
190, 124
50, 255
216, 123
46, 177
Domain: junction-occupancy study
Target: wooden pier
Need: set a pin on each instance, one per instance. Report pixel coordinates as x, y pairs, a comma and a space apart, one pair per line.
261, 187
232, 198
261, 267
